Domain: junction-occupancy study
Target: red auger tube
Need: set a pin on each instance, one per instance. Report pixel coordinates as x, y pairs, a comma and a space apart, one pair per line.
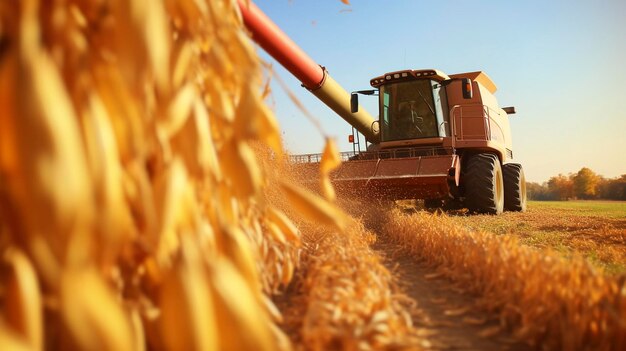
273, 40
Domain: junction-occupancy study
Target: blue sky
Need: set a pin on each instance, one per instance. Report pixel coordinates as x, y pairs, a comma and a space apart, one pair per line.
562, 64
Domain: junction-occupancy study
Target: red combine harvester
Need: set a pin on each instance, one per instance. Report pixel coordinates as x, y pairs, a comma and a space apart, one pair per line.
441, 138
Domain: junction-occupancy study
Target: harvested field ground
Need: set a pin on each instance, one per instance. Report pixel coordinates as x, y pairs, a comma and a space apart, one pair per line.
443, 313
593, 229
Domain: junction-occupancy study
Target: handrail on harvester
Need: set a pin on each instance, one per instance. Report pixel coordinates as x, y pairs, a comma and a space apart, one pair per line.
313, 77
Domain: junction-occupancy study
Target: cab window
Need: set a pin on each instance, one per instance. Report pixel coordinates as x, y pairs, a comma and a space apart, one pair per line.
409, 110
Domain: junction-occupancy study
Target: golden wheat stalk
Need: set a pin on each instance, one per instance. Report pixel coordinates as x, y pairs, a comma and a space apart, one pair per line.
128, 179
546, 299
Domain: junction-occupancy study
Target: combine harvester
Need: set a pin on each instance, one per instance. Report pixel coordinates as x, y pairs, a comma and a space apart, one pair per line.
441, 138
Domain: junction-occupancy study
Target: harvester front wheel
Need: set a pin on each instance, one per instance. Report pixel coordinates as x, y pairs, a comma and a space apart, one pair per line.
514, 187
484, 188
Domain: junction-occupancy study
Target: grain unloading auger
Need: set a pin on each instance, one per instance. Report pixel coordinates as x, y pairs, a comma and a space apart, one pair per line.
439, 138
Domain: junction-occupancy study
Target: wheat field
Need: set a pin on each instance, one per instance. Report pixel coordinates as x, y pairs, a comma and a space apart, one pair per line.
146, 203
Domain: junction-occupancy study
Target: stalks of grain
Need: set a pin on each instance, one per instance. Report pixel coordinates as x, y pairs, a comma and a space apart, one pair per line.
352, 302
129, 181
550, 302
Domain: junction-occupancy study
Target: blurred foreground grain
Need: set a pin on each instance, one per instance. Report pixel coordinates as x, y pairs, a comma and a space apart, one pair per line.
132, 211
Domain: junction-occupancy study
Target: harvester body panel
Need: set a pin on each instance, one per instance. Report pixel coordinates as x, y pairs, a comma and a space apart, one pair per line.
479, 122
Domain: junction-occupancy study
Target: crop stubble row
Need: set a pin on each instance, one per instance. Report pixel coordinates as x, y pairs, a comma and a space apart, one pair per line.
546, 300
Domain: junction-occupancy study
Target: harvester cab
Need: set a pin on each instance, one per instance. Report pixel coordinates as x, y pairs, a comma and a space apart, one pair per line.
446, 140
412, 107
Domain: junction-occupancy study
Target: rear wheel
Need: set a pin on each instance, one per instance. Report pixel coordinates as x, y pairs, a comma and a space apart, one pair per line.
484, 188
514, 187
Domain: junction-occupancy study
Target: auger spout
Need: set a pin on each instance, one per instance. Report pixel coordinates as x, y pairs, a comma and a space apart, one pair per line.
313, 77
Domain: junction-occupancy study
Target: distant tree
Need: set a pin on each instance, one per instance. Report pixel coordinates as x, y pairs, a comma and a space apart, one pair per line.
613, 189
604, 188
586, 183
536, 191
620, 188
561, 187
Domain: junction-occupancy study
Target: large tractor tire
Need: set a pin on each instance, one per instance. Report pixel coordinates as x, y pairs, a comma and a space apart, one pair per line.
514, 187
483, 183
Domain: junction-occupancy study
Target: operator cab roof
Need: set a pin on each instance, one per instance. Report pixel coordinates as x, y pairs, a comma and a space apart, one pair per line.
408, 74
398, 76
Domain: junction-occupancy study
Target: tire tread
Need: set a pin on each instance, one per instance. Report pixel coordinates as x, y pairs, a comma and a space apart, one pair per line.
479, 183
513, 175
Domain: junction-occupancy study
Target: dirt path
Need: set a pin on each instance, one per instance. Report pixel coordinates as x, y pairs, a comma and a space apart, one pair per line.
442, 312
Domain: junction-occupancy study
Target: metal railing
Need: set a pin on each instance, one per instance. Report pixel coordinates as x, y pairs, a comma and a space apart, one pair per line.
458, 132
316, 158
377, 155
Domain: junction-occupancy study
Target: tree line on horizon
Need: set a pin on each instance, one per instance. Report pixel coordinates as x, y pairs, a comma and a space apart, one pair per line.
584, 185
